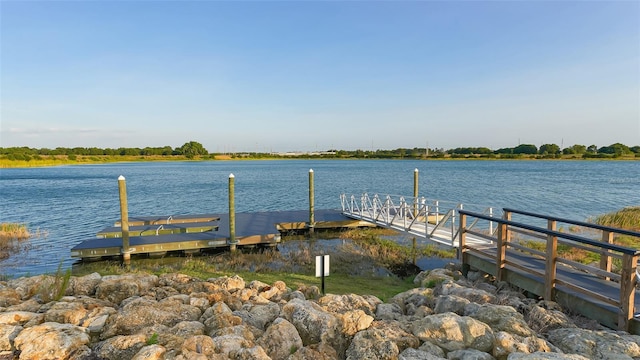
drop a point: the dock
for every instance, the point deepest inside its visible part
(158, 235)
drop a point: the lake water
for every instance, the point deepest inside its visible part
(72, 203)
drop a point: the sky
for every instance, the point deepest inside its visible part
(316, 75)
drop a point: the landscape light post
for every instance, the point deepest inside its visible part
(232, 214)
(124, 220)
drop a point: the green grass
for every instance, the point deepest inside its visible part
(627, 218)
(13, 231)
(356, 265)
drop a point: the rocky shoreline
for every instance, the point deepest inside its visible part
(175, 316)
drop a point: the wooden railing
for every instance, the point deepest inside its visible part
(626, 278)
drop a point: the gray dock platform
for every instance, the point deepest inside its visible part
(192, 234)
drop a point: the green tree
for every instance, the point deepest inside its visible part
(549, 149)
(525, 149)
(193, 149)
(616, 149)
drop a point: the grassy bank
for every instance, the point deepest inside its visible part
(366, 263)
(11, 237)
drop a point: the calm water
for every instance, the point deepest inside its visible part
(72, 203)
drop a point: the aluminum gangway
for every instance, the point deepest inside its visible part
(430, 220)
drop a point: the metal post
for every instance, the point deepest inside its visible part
(322, 274)
(415, 193)
(312, 220)
(124, 220)
(232, 214)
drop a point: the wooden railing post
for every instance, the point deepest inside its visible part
(462, 238)
(501, 251)
(627, 290)
(605, 259)
(551, 262)
(462, 244)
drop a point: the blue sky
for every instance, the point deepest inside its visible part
(305, 76)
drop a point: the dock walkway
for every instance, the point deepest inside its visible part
(156, 235)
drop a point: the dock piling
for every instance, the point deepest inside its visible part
(232, 214)
(312, 220)
(124, 220)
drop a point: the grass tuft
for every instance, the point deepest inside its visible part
(627, 218)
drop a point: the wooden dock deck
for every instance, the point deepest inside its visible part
(158, 235)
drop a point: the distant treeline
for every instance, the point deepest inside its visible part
(193, 149)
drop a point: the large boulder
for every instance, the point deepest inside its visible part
(9, 297)
(230, 284)
(453, 332)
(544, 319)
(501, 318)
(120, 347)
(416, 354)
(259, 316)
(84, 285)
(382, 340)
(219, 316)
(545, 356)
(450, 303)
(469, 354)
(431, 278)
(8, 334)
(22, 318)
(140, 313)
(150, 352)
(339, 304)
(313, 323)
(115, 288)
(506, 344)
(595, 345)
(280, 340)
(474, 295)
(52, 341)
(82, 312)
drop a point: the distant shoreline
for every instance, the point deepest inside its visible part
(62, 160)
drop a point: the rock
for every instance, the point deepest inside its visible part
(473, 295)
(8, 334)
(339, 304)
(81, 312)
(595, 344)
(31, 305)
(453, 332)
(545, 356)
(313, 323)
(141, 313)
(315, 352)
(383, 340)
(502, 318)
(28, 287)
(450, 303)
(544, 320)
(52, 341)
(199, 344)
(432, 349)
(120, 347)
(469, 354)
(219, 316)
(280, 340)
(353, 321)
(415, 354)
(429, 279)
(22, 318)
(260, 316)
(389, 312)
(116, 288)
(412, 300)
(253, 353)
(151, 352)
(228, 344)
(84, 285)
(9, 297)
(230, 284)
(506, 344)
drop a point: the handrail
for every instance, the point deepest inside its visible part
(628, 279)
(583, 240)
(574, 222)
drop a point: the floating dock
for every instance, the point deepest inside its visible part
(157, 235)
